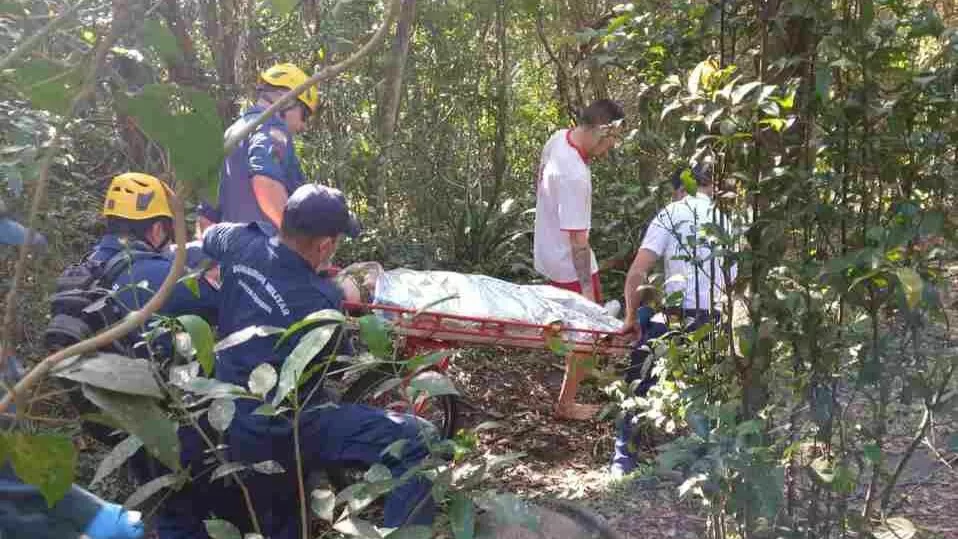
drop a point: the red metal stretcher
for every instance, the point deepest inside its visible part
(432, 331)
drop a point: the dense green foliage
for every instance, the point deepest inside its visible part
(832, 124)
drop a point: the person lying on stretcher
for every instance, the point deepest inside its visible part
(473, 296)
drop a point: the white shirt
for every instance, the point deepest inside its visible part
(676, 234)
(563, 204)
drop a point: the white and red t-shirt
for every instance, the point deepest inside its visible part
(563, 204)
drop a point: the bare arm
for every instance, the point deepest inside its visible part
(642, 264)
(271, 197)
(582, 261)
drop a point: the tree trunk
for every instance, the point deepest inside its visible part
(184, 69)
(391, 97)
(499, 156)
(219, 24)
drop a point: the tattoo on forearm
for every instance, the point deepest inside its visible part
(582, 261)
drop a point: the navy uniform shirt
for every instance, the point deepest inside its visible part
(267, 151)
(264, 283)
(137, 283)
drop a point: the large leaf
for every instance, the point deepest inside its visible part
(46, 461)
(147, 491)
(47, 84)
(221, 529)
(912, 286)
(323, 502)
(308, 348)
(118, 455)
(373, 332)
(201, 336)
(161, 39)
(311, 319)
(185, 122)
(142, 417)
(114, 372)
(433, 384)
(462, 516)
(245, 334)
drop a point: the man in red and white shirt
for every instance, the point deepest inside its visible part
(564, 217)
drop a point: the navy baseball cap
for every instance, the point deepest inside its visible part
(317, 210)
(205, 209)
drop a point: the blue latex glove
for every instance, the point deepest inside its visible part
(115, 522)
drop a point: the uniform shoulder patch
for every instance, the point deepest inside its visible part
(278, 148)
(279, 136)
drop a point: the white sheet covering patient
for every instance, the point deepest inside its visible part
(476, 296)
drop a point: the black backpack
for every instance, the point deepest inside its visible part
(83, 303)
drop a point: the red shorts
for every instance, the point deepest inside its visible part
(577, 288)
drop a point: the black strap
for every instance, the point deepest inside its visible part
(121, 262)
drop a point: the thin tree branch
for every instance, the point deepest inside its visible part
(136, 318)
(33, 40)
(39, 193)
(324, 74)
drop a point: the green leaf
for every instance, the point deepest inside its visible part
(318, 317)
(118, 455)
(46, 461)
(190, 281)
(114, 372)
(433, 384)
(912, 286)
(213, 389)
(953, 441)
(146, 491)
(283, 7)
(239, 337)
(221, 414)
(157, 36)
(358, 528)
(47, 84)
(895, 528)
(323, 502)
(395, 449)
(221, 529)
(309, 347)
(263, 379)
(269, 467)
(373, 332)
(823, 470)
(688, 181)
(142, 417)
(376, 473)
(462, 516)
(228, 468)
(421, 362)
(186, 123)
(201, 335)
(741, 92)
